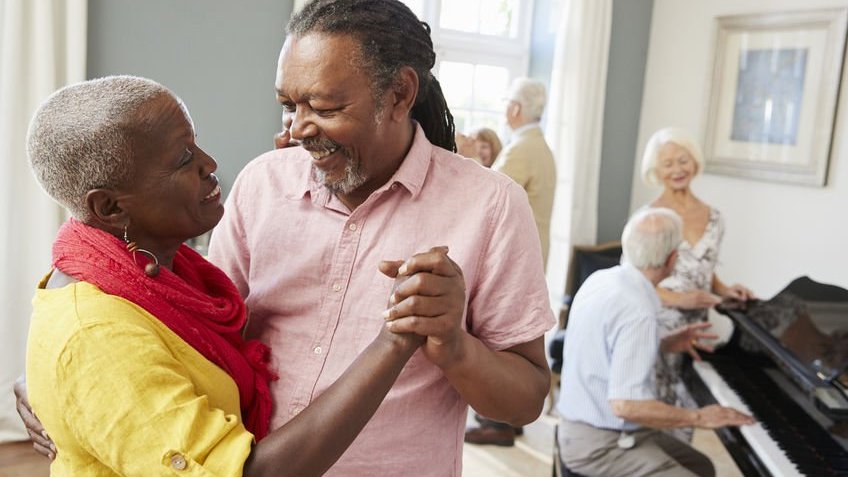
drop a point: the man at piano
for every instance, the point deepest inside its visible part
(612, 422)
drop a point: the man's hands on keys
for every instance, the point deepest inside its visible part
(40, 440)
(715, 416)
(430, 302)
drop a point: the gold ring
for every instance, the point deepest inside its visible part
(694, 342)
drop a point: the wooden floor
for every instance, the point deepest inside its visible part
(18, 459)
(529, 457)
(532, 455)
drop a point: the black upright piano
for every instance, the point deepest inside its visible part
(787, 365)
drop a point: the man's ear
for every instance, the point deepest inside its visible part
(671, 260)
(514, 109)
(104, 208)
(403, 93)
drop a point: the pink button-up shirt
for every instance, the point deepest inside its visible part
(307, 267)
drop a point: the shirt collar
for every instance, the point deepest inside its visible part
(411, 173)
(523, 129)
(413, 170)
(636, 276)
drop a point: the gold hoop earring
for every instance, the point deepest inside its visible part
(151, 269)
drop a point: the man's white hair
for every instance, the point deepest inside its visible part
(678, 136)
(530, 94)
(81, 137)
(650, 237)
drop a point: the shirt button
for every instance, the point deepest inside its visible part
(317, 350)
(394, 187)
(178, 462)
(337, 287)
(297, 410)
(352, 227)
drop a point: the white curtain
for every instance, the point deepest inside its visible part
(42, 47)
(574, 126)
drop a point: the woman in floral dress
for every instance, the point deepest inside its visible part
(672, 159)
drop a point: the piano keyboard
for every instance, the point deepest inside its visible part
(786, 440)
(765, 447)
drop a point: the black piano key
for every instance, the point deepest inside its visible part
(805, 443)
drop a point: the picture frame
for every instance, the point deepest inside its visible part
(773, 93)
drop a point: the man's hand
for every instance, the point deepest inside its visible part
(40, 440)
(715, 416)
(430, 302)
(685, 339)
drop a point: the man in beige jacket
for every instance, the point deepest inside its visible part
(528, 160)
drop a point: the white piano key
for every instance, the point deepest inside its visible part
(760, 441)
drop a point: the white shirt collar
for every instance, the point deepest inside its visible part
(521, 130)
(636, 275)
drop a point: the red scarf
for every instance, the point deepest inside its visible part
(196, 301)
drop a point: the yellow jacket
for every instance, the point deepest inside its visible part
(121, 394)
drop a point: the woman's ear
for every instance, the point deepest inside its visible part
(403, 93)
(104, 208)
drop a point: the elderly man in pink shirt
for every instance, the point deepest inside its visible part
(305, 228)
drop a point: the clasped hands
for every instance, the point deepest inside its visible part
(428, 300)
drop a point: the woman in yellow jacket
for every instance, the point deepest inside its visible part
(136, 364)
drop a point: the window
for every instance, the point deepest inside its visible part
(481, 45)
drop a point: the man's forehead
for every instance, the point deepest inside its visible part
(316, 65)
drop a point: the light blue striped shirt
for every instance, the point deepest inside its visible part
(610, 348)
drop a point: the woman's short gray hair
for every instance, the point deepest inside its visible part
(678, 136)
(650, 236)
(530, 94)
(81, 137)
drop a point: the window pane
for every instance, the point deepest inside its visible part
(490, 84)
(417, 7)
(461, 15)
(489, 17)
(456, 80)
(497, 17)
(486, 120)
(461, 120)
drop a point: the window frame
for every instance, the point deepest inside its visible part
(513, 54)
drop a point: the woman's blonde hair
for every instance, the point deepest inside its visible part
(678, 136)
(489, 136)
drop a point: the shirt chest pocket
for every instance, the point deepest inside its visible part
(369, 326)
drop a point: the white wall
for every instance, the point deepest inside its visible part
(775, 232)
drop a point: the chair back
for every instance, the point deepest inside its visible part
(586, 260)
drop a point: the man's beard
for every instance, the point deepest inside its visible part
(352, 180)
(353, 177)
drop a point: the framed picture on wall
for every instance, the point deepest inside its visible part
(773, 93)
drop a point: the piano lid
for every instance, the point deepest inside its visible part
(804, 329)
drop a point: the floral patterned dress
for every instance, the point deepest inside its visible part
(693, 271)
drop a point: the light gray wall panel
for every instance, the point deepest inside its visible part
(219, 56)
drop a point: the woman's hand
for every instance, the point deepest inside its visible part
(431, 303)
(283, 138)
(737, 292)
(688, 300)
(465, 146)
(40, 440)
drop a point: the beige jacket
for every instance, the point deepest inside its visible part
(529, 161)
